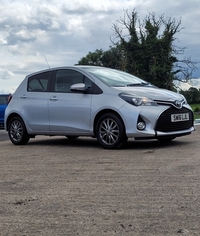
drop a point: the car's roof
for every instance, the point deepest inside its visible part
(66, 67)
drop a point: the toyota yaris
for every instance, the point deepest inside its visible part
(108, 104)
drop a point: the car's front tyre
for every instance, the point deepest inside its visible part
(17, 131)
(110, 131)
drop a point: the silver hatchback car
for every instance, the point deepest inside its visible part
(108, 104)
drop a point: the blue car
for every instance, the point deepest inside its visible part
(4, 99)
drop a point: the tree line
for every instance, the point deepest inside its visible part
(192, 95)
(145, 49)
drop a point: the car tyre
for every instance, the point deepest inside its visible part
(17, 131)
(110, 131)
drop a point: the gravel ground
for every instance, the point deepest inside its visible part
(3, 135)
(56, 187)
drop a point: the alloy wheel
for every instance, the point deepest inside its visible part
(17, 131)
(109, 131)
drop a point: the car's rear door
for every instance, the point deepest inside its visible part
(69, 111)
(34, 102)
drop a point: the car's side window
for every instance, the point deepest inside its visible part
(65, 78)
(3, 100)
(39, 82)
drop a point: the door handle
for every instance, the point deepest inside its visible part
(54, 98)
(23, 97)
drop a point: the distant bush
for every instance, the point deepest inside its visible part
(197, 109)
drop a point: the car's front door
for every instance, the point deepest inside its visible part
(69, 112)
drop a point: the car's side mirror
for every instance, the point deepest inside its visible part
(78, 87)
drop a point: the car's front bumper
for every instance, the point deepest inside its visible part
(157, 120)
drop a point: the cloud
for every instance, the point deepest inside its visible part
(185, 86)
(64, 31)
(5, 74)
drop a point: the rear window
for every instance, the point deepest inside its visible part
(39, 82)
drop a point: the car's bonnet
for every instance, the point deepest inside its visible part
(151, 92)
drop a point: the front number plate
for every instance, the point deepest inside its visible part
(179, 117)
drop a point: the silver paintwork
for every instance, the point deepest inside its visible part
(55, 113)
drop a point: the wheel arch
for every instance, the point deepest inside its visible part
(102, 112)
(10, 117)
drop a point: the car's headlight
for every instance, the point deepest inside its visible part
(137, 101)
(185, 100)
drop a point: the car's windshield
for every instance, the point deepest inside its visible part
(115, 78)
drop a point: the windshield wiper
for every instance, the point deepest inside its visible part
(137, 84)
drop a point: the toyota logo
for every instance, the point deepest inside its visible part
(178, 104)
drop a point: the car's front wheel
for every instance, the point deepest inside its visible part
(110, 131)
(17, 131)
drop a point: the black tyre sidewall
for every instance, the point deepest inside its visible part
(120, 124)
(25, 136)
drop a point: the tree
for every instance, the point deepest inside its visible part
(92, 58)
(192, 95)
(149, 49)
(146, 50)
(112, 58)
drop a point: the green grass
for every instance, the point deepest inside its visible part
(196, 116)
(194, 106)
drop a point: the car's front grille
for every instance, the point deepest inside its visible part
(164, 123)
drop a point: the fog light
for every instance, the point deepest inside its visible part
(141, 125)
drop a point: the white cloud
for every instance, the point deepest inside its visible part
(64, 31)
(185, 86)
(2, 40)
(6, 74)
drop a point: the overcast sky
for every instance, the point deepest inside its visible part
(63, 31)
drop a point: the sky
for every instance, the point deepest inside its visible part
(36, 34)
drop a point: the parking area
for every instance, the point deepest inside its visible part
(3, 135)
(55, 186)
